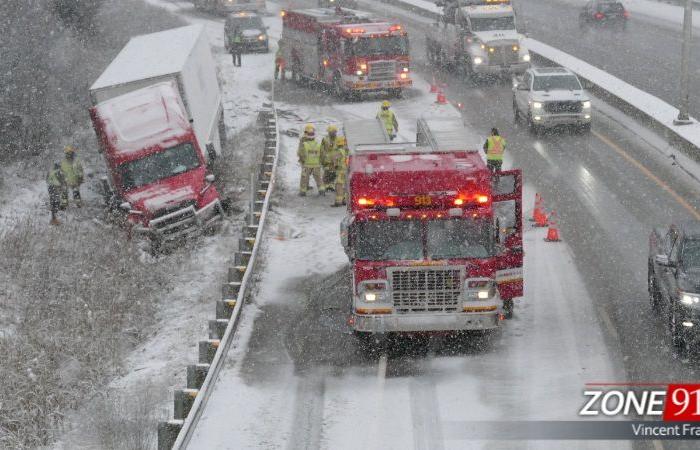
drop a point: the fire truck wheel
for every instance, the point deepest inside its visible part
(508, 307)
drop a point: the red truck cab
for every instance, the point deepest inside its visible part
(158, 175)
(350, 50)
(434, 244)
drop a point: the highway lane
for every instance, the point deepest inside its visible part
(646, 54)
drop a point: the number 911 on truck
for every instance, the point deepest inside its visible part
(349, 50)
(434, 238)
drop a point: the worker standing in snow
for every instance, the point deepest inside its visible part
(309, 153)
(72, 170)
(388, 118)
(340, 162)
(280, 63)
(494, 147)
(328, 150)
(57, 187)
(237, 47)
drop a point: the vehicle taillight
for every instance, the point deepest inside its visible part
(599, 15)
(482, 199)
(459, 202)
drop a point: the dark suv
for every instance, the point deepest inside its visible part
(252, 29)
(603, 13)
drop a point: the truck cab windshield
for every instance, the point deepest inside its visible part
(158, 166)
(459, 238)
(493, 23)
(556, 83)
(389, 45)
(394, 240)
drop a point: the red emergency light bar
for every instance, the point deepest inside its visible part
(421, 201)
(395, 28)
(355, 30)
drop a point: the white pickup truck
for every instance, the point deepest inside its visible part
(478, 38)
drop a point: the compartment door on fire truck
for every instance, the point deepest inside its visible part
(508, 215)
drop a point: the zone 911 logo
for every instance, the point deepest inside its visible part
(671, 402)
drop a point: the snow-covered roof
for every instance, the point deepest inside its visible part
(150, 116)
(150, 55)
(488, 10)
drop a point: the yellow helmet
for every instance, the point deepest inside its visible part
(68, 149)
(340, 140)
(386, 104)
(309, 129)
(332, 129)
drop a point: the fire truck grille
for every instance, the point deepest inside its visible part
(564, 107)
(503, 55)
(426, 290)
(382, 70)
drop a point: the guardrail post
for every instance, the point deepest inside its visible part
(207, 350)
(183, 401)
(224, 308)
(167, 433)
(196, 373)
(217, 328)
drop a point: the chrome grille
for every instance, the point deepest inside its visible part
(503, 55)
(174, 220)
(382, 70)
(563, 107)
(426, 289)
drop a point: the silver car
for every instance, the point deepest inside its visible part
(545, 97)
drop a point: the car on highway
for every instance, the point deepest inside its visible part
(603, 13)
(549, 96)
(674, 279)
(252, 28)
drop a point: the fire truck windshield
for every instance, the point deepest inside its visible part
(387, 45)
(493, 23)
(459, 238)
(404, 240)
(157, 166)
(393, 240)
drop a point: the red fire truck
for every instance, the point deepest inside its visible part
(434, 240)
(350, 50)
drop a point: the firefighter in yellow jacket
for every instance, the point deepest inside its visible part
(72, 170)
(328, 151)
(340, 165)
(388, 119)
(309, 154)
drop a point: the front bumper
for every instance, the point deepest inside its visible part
(487, 69)
(361, 85)
(404, 323)
(183, 223)
(551, 120)
(253, 45)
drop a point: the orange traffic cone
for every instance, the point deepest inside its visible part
(433, 86)
(537, 210)
(539, 216)
(553, 231)
(441, 99)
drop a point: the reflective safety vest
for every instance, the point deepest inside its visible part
(237, 39)
(310, 154)
(328, 151)
(341, 165)
(55, 178)
(72, 172)
(495, 146)
(388, 119)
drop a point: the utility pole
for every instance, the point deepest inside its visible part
(683, 117)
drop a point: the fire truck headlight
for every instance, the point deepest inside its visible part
(405, 70)
(363, 66)
(536, 105)
(483, 295)
(370, 297)
(526, 57)
(359, 73)
(262, 37)
(372, 291)
(587, 104)
(689, 299)
(403, 76)
(480, 289)
(478, 60)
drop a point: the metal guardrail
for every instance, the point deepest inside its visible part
(189, 403)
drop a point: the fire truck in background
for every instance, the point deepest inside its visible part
(478, 37)
(434, 241)
(349, 50)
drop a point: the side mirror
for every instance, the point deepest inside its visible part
(663, 261)
(210, 178)
(126, 206)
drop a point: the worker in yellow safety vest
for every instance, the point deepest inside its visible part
(340, 163)
(328, 150)
(309, 154)
(388, 119)
(57, 186)
(72, 170)
(494, 147)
